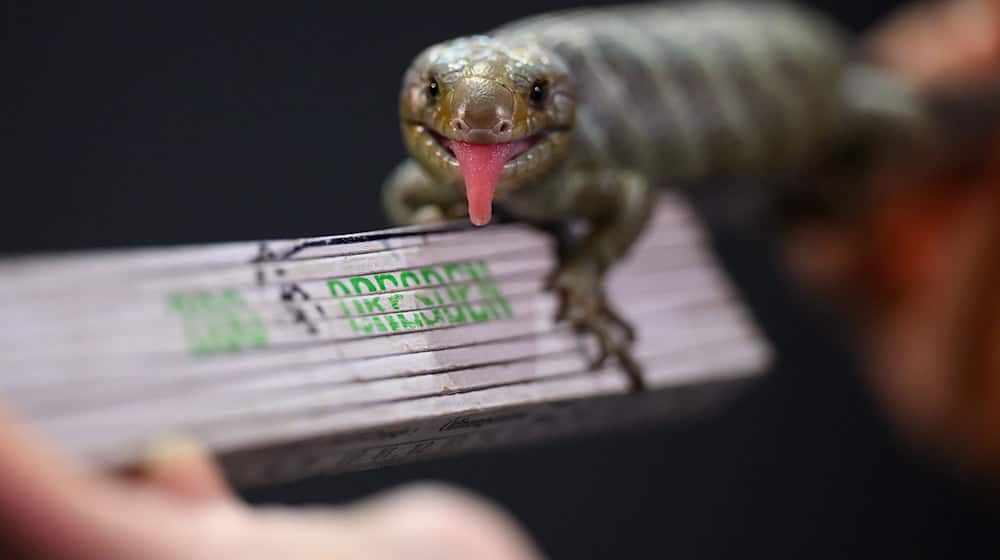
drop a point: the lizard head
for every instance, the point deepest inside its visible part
(492, 117)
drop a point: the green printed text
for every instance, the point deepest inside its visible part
(420, 298)
(216, 322)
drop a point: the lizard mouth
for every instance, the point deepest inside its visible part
(515, 149)
(486, 169)
(526, 154)
(483, 165)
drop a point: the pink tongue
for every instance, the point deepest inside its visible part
(481, 165)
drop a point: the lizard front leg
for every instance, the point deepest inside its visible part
(617, 205)
(411, 197)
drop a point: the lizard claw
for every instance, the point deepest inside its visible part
(583, 304)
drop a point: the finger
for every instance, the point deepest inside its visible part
(911, 42)
(976, 378)
(42, 494)
(51, 507)
(419, 521)
(436, 521)
(937, 338)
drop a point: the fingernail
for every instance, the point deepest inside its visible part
(173, 448)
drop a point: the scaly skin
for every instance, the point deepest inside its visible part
(617, 102)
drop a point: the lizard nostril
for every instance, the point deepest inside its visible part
(458, 125)
(503, 127)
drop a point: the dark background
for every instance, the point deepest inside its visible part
(152, 123)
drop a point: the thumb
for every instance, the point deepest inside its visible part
(421, 521)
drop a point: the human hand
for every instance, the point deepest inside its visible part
(180, 508)
(920, 275)
(941, 44)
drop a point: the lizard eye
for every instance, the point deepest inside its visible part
(537, 91)
(432, 88)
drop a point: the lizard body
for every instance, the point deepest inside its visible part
(583, 114)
